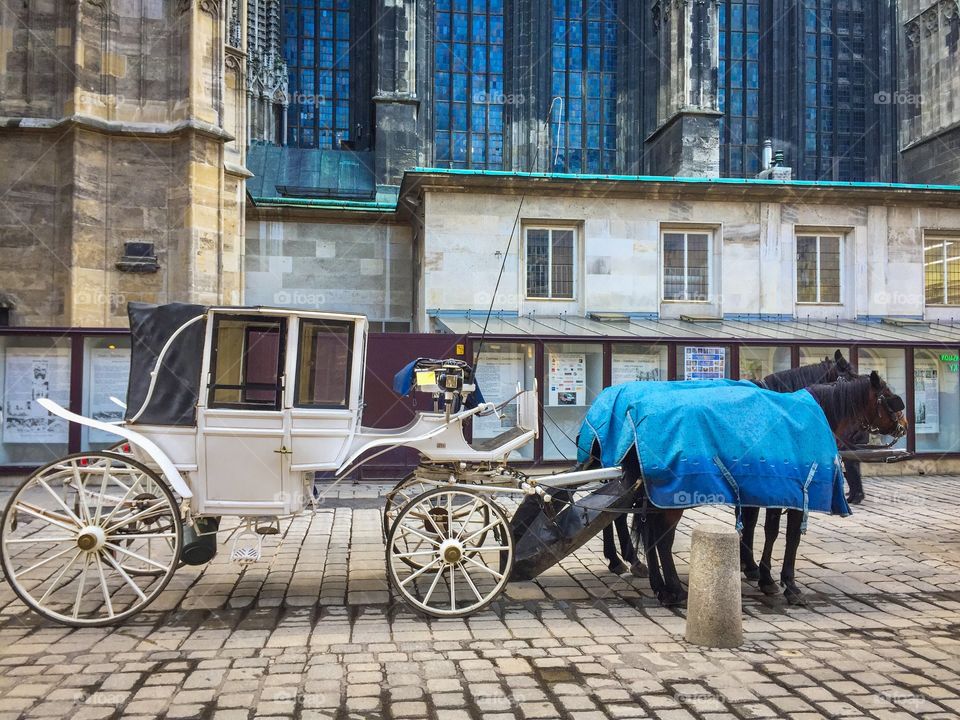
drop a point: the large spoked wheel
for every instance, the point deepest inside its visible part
(91, 539)
(465, 556)
(407, 489)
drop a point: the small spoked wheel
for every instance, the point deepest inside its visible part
(464, 556)
(407, 489)
(91, 539)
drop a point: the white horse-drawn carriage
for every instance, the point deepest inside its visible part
(230, 413)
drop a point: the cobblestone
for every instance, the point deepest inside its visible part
(313, 632)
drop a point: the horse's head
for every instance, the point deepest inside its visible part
(885, 411)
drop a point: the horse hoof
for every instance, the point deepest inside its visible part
(751, 572)
(671, 598)
(618, 568)
(769, 588)
(793, 595)
(638, 569)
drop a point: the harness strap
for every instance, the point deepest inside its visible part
(736, 489)
(806, 498)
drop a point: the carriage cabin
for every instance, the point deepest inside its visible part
(246, 400)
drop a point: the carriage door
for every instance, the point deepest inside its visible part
(245, 442)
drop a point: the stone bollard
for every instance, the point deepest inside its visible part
(714, 617)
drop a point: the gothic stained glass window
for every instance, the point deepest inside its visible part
(834, 81)
(583, 74)
(317, 49)
(738, 87)
(469, 100)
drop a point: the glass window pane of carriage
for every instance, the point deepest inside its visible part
(936, 399)
(703, 362)
(323, 363)
(632, 363)
(574, 377)
(758, 361)
(502, 366)
(106, 370)
(31, 368)
(248, 364)
(891, 364)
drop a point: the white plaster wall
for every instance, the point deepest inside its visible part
(619, 270)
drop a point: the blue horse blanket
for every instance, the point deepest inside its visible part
(721, 442)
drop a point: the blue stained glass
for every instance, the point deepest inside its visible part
(325, 26)
(443, 115)
(736, 102)
(307, 23)
(290, 22)
(593, 85)
(574, 10)
(460, 87)
(496, 118)
(574, 33)
(610, 34)
(753, 131)
(736, 75)
(343, 55)
(461, 5)
(478, 118)
(496, 150)
(479, 6)
(574, 58)
(610, 10)
(593, 58)
(736, 44)
(478, 146)
(478, 88)
(559, 8)
(442, 145)
(753, 45)
(736, 16)
(574, 110)
(442, 53)
(593, 33)
(574, 87)
(559, 32)
(460, 146)
(610, 59)
(721, 100)
(443, 4)
(558, 87)
(753, 17)
(593, 161)
(753, 103)
(753, 75)
(461, 25)
(496, 59)
(557, 58)
(290, 51)
(460, 54)
(593, 136)
(479, 32)
(459, 116)
(443, 27)
(609, 85)
(441, 82)
(479, 64)
(575, 161)
(593, 112)
(496, 84)
(574, 135)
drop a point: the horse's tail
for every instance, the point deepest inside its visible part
(636, 532)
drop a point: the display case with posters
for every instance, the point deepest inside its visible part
(758, 361)
(33, 367)
(891, 365)
(574, 377)
(936, 399)
(501, 367)
(106, 370)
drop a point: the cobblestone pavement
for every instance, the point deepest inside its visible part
(311, 632)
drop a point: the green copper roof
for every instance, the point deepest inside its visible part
(688, 180)
(298, 173)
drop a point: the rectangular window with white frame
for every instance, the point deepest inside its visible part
(941, 269)
(551, 254)
(819, 268)
(687, 262)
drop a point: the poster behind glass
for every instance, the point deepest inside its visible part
(31, 374)
(704, 363)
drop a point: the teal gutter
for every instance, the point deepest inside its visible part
(686, 180)
(358, 205)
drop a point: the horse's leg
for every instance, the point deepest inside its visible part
(637, 568)
(645, 528)
(748, 566)
(771, 528)
(673, 593)
(790, 589)
(610, 551)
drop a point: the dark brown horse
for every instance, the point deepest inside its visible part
(865, 402)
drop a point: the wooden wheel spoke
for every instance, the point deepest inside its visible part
(483, 567)
(132, 554)
(103, 586)
(421, 571)
(61, 521)
(123, 574)
(406, 528)
(470, 582)
(80, 586)
(56, 580)
(45, 561)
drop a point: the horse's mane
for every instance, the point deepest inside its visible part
(798, 378)
(842, 401)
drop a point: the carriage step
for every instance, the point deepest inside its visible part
(247, 547)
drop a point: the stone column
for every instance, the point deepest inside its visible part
(714, 617)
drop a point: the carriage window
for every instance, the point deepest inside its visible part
(247, 363)
(323, 364)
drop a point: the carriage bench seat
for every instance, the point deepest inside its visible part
(507, 437)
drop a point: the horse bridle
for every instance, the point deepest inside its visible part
(894, 406)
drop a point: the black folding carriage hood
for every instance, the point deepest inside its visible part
(174, 400)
